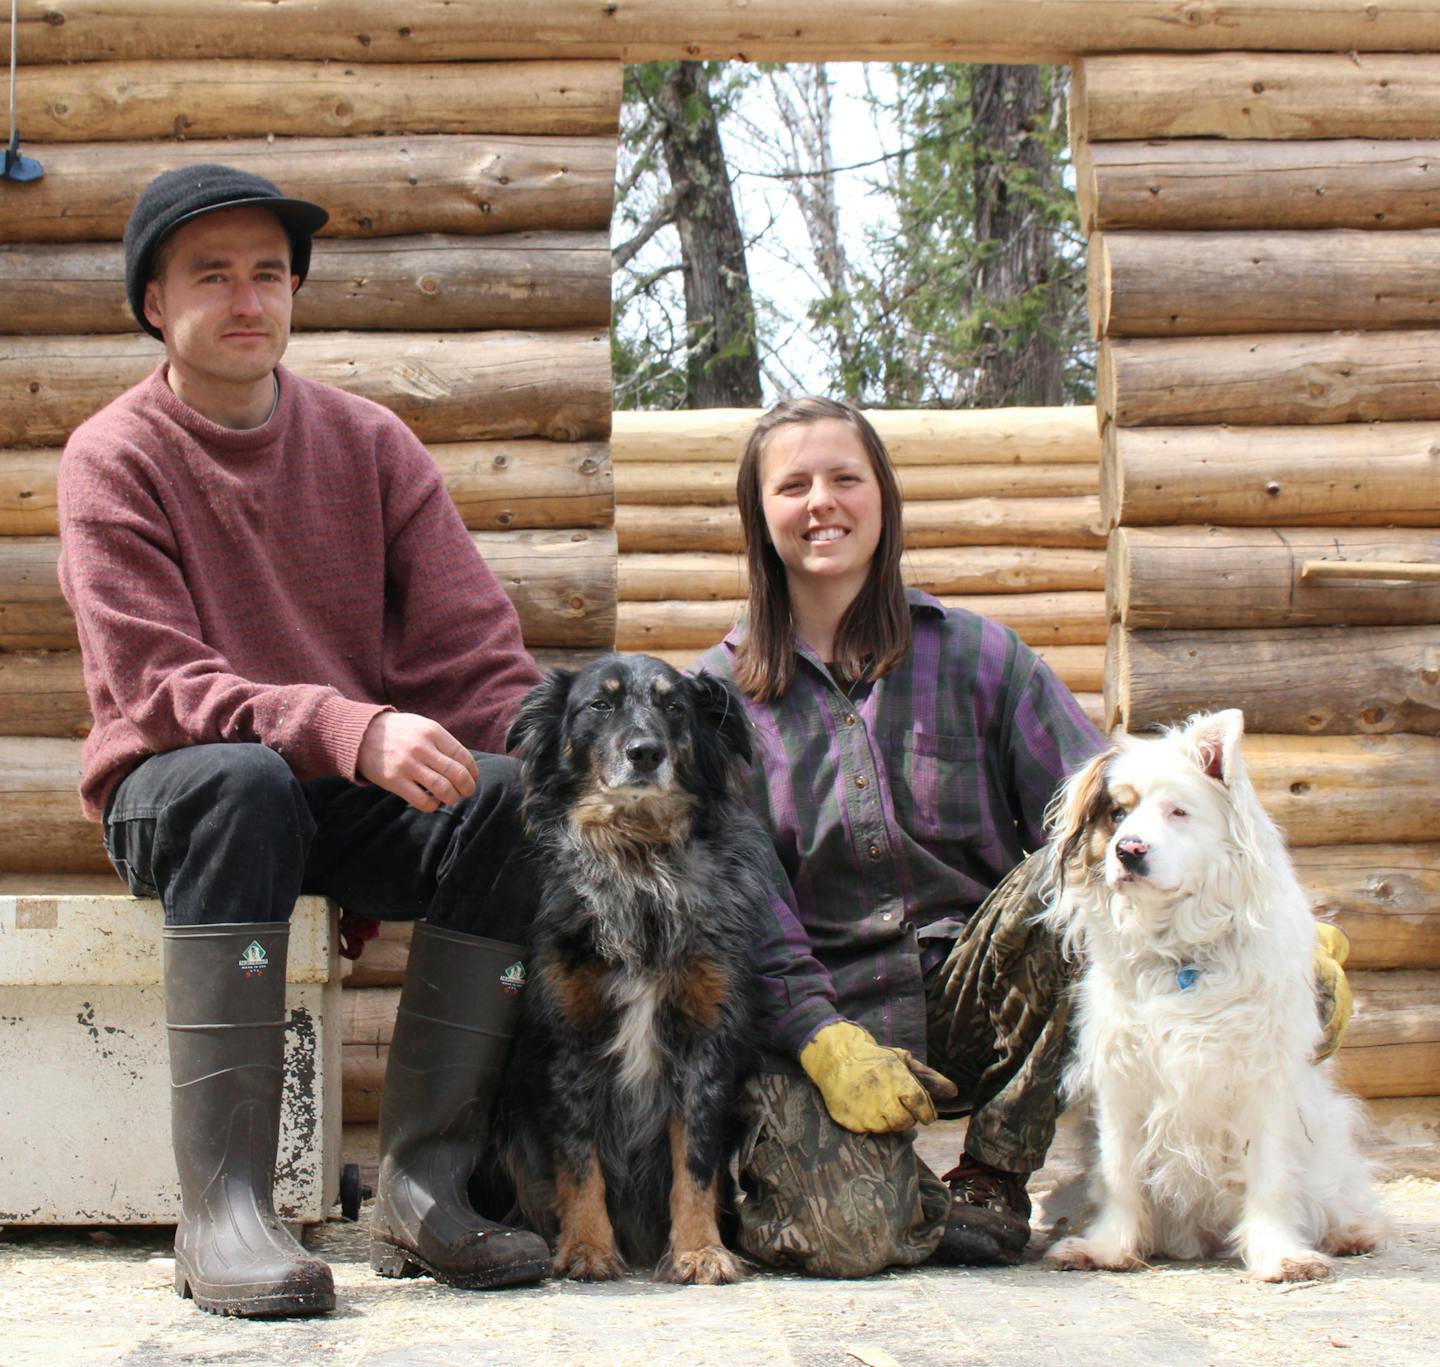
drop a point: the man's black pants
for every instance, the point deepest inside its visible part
(227, 834)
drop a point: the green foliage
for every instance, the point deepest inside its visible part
(933, 305)
(923, 326)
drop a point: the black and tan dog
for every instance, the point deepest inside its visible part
(640, 1007)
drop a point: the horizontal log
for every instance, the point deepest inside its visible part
(1265, 379)
(1404, 1137)
(362, 1079)
(1040, 620)
(1177, 284)
(1071, 522)
(1173, 577)
(1392, 1048)
(42, 693)
(148, 101)
(712, 483)
(1255, 95)
(41, 828)
(510, 485)
(383, 960)
(435, 282)
(60, 885)
(658, 30)
(1205, 184)
(938, 570)
(495, 485)
(931, 436)
(373, 187)
(561, 582)
(1403, 571)
(1362, 680)
(1385, 897)
(1353, 790)
(1338, 475)
(367, 1016)
(445, 386)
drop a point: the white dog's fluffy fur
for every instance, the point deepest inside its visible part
(1196, 1022)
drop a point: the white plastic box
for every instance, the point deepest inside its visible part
(85, 1076)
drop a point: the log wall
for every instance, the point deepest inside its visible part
(1264, 290)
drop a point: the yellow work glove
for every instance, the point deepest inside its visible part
(1333, 991)
(868, 1087)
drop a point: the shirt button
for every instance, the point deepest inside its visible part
(874, 851)
(850, 720)
(888, 916)
(860, 781)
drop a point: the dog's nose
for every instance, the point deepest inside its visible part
(1131, 853)
(645, 755)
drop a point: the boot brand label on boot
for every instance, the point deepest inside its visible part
(513, 978)
(253, 960)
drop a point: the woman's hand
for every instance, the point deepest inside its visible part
(1332, 989)
(868, 1087)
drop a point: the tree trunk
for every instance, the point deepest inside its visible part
(1018, 362)
(723, 365)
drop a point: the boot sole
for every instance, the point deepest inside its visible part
(391, 1260)
(276, 1305)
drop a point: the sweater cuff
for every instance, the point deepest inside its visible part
(337, 728)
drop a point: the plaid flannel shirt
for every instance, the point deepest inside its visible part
(896, 809)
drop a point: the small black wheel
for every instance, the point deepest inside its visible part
(352, 1194)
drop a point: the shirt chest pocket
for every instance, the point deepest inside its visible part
(940, 789)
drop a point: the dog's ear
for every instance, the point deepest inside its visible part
(1079, 804)
(544, 704)
(723, 714)
(1213, 740)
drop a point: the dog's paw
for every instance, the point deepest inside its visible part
(1084, 1255)
(1346, 1241)
(583, 1262)
(708, 1266)
(1299, 1267)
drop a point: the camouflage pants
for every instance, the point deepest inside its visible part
(823, 1200)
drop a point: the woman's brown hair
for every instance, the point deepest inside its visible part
(874, 634)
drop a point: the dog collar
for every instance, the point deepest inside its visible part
(1186, 976)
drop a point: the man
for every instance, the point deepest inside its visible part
(301, 674)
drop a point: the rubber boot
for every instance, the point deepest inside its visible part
(452, 1034)
(225, 1018)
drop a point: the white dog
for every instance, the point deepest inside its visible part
(1196, 1020)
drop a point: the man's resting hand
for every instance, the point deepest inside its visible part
(868, 1087)
(417, 759)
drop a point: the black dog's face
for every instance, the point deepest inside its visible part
(628, 734)
(630, 725)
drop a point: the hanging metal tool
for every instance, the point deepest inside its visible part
(17, 167)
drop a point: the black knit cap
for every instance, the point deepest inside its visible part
(178, 196)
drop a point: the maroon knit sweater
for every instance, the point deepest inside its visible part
(279, 585)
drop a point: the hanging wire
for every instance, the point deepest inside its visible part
(17, 168)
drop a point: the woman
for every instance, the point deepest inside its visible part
(908, 752)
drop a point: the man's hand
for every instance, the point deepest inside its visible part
(867, 1087)
(417, 759)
